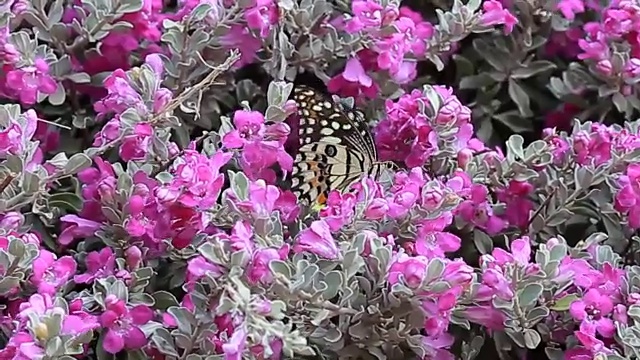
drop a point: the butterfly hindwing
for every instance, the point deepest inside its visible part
(335, 147)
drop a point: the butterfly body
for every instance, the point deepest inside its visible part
(335, 147)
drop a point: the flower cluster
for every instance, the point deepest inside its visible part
(145, 154)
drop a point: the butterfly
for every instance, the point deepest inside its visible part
(335, 150)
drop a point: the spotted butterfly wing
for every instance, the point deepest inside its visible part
(335, 147)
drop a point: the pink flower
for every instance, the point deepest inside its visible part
(15, 137)
(77, 228)
(249, 127)
(240, 37)
(22, 346)
(317, 239)
(262, 16)
(49, 273)
(198, 267)
(122, 325)
(99, 265)
(411, 269)
(569, 8)
(136, 146)
(438, 312)
(627, 200)
(495, 14)
(433, 242)
(197, 178)
(486, 316)
(405, 192)
(26, 82)
(594, 308)
(353, 81)
(121, 95)
(259, 271)
(234, 348)
(478, 211)
(367, 15)
(339, 210)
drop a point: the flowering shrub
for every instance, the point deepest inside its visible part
(145, 212)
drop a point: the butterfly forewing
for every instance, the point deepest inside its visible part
(335, 147)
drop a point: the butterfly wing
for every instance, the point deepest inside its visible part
(335, 147)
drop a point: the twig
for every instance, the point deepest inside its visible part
(202, 85)
(540, 208)
(54, 124)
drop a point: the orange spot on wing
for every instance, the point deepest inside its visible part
(322, 199)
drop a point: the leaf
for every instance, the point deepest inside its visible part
(476, 81)
(31, 183)
(530, 294)
(531, 339)
(434, 270)
(67, 201)
(482, 241)
(129, 6)
(76, 163)
(8, 283)
(163, 341)
(184, 318)
(58, 97)
(514, 147)
(240, 185)
(564, 303)
(164, 300)
(533, 68)
(520, 97)
(514, 121)
(335, 282)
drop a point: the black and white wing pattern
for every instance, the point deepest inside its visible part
(335, 147)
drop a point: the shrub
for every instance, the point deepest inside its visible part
(148, 208)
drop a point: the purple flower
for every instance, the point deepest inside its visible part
(593, 308)
(433, 242)
(122, 325)
(77, 228)
(99, 265)
(317, 239)
(478, 211)
(49, 273)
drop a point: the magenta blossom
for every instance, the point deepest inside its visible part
(122, 325)
(433, 241)
(99, 265)
(26, 82)
(50, 273)
(594, 308)
(479, 212)
(317, 239)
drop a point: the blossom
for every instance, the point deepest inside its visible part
(122, 325)
(353, 81)
(412, 269)
(137, 145)
(433, 242)
(262, 16)
(339, 210)
(249, 127)
(478, 211)
(594, 308)
(99, 265)
(27, 81)
(121, 95)
(495, 14)
(77, 227)
(50, 273)
(627, 200)
(317, 239)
